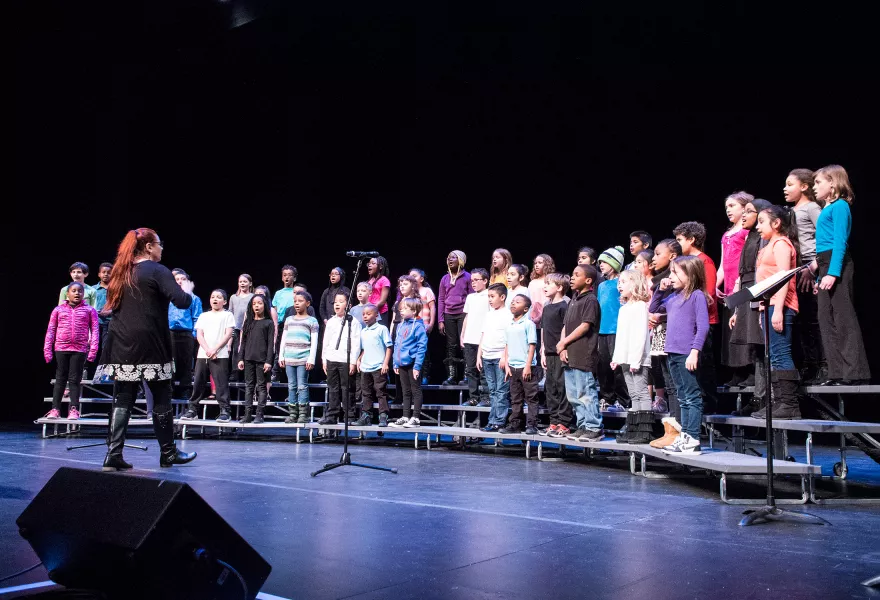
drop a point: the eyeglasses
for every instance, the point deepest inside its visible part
(750, 212)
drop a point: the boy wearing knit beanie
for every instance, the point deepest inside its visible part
(612, 386)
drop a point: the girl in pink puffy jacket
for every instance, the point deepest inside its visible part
(72, 332)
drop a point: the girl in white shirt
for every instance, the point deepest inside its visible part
(632, 351)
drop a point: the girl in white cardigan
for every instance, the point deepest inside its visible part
(632, 351)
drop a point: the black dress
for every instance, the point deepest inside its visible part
(139, 341)
(747, 333)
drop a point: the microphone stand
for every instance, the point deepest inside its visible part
(770, 512)
(345, 459)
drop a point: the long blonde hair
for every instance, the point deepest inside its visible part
(641, 292)
(839, 181)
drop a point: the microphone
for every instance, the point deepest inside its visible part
(360, 253)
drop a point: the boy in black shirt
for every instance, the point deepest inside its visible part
(553, 319)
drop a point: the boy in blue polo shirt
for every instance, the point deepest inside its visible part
(519, 356)
(373, 365)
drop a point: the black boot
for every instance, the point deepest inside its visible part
(785, 400)
(246, 417)
(116, 439)
(641, 429)
(450, 369)
(163, 425)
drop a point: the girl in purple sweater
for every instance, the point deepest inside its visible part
(454, 288)
(72, 332)
(687, 320)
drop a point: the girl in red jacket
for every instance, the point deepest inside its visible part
(72, 332)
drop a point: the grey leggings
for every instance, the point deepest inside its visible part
(637, 386)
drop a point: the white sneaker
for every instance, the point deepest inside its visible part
(684, 444)
(401, 422)
(413, 422)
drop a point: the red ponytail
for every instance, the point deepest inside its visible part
(122, 275)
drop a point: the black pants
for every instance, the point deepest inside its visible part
(841, 334)
(234, 358)
(338, 386)
(611, 384)
(182, 348)
(219, 370)
(523, 391)
(254, 380)
(808, 350)
(657, 379)
(671, 392)
(706, 376)
(411, 392)
(477, 386)
(126, 392)
(538, 370)
(374, 386)
(68, 370)
(554, 390)
(452, 326)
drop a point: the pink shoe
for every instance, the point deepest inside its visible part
(73, 413)
(67, 392)
(53, 414)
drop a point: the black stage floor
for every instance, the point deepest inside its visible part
(477, 525)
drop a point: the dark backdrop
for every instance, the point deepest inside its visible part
(309, 131)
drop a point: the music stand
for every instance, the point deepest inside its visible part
(345, 459)
(764, 292)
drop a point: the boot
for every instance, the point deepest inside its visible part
(258, 418)
(671, 429)
(116, 439)
(785, 400)
(303, 414)
(460, 368)
(642, 429)
(626, 431)
(169, 455)
(450, 369)
(293, 413)
(246, 417)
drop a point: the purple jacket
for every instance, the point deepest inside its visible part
(72, 330)
(451, 296)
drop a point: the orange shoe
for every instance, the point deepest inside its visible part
(671, 431)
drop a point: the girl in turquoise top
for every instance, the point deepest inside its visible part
(833, 268)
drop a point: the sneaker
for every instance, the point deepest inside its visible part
(616, 407)
(561, 431)
(485, 403)
(366, 419)
(491, 428)
(224, 417)
(53, 414)
(383, 419)
(548, 431)
(149, 416)
(471, 402)
(591, 436)
(510, 430)
(603, 405)
(401, 422)
(327, 420)
(67, 392)
(684, 444)
(531, 430)
(73, 413)
(576, 433)
(189, 415)
(289, 419)
(412, 422)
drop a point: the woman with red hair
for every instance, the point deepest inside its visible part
(139, 342)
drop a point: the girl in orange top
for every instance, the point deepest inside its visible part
(777, 227)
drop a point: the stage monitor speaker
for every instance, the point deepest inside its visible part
(138, 537)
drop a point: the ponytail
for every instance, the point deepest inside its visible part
(787, 225)
(122, 276)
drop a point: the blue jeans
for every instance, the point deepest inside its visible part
(780, 343)
(499, 392)
(690, 398)
(297, 384)
(582, 391)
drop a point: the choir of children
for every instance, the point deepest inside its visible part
(634, 337)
